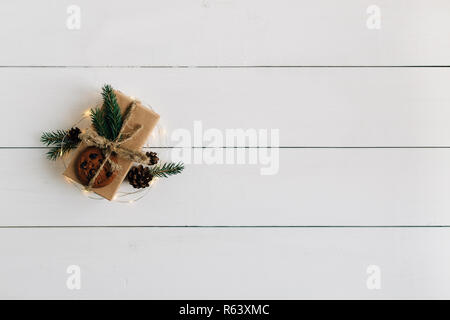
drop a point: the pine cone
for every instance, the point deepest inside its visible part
(139, 177)
(153, 156)
(73, 134)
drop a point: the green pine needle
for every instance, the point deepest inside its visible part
(167, 169)
(53, 137)
(58, 151)
(112, 112)
(59, 142)
(99, 122)
(108, 120)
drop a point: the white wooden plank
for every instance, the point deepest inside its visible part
(225, 263)
(225, 32)
(312, 187)
(310, 107)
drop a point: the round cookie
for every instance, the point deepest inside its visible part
(89, 162)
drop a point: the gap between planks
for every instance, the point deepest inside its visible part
(235, 227)
(217, 67)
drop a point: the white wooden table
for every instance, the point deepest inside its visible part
(360, 93)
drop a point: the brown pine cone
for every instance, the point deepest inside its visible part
(73, 134)
(139, 177)
(153, 156)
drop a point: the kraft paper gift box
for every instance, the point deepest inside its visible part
(140, 115)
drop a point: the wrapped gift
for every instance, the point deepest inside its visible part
(101, 161)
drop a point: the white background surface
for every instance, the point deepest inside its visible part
(364, 159)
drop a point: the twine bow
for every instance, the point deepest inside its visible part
(91, 138)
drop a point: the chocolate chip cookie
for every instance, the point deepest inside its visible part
(89, 162)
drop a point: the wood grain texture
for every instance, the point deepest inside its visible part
(224, 264)
(310, 107)
(225, 32)
(312, 187)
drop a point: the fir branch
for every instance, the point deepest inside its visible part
(112, 112)
(167, 169)
(53, 137)
(60, 143)
(60, 150)
(99, 123)
(54, 153)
